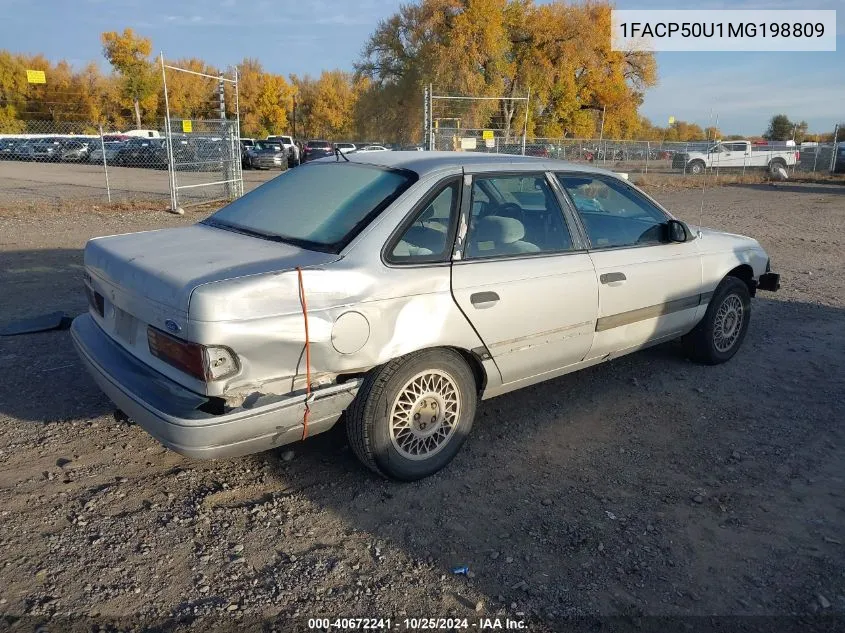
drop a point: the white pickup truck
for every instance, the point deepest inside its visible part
(735, 155)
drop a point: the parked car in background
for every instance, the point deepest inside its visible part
(537, 150)
(143, 152)
(45, 150)
(112, 148)
(372, 148)
(74, 151)
(204, 154)
(345, 147)
(290, 147)
(267, 155)
(143, 133)
(420, 305)
(735, 155)
(7, 148)
(317, 149)
(22, 149)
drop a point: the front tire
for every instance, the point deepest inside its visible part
(411, 415)
(720, 333)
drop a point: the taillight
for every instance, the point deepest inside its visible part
(797, 155)
(201, 362)
(96, 300)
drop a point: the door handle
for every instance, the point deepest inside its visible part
(483, 300)
(609, 278)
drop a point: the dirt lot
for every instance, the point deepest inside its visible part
(648, 486)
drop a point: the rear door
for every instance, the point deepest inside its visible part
(649, 288)
(522, 277)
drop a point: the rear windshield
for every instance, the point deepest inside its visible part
(268, 146)
(319, 144)
(316, 206)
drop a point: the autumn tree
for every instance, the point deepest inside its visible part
(780, 128)
(328, 104)
(129, 56)
(560, 53)
(265, 100)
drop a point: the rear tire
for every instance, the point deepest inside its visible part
(719, 335)
(697, 167)
(411, 415)
(775, 164)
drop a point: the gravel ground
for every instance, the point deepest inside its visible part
(649, 486)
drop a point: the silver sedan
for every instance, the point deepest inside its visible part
(398, 289)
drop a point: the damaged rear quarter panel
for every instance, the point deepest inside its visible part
(260, 317)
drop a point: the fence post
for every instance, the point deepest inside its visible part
(647, 153)
(105, 167)
(171, 168)
(833, 152)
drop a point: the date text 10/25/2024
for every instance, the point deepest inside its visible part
(416, 624)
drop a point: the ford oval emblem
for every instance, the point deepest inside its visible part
(171, 325)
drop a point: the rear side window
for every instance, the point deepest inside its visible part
(430, 235)
(515, 215)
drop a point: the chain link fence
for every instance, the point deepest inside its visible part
(665, 157)
(54, 162)
(206, 158)
(61, 161)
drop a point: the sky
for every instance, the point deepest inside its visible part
(306, 36)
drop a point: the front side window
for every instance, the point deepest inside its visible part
(513, 215)
(429, 237)
(318, 206)
(614, 215)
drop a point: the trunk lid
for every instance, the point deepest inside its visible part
(165, 266)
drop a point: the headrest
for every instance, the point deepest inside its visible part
(425, 237)
(499, 230)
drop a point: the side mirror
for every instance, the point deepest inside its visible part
(677, 231)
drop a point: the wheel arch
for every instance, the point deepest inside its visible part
(470, 357)
(744, 273)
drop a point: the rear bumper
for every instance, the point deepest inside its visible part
(170, 413)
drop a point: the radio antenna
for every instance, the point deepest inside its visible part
(704, 175)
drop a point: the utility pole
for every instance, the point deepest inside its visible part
(294, 118)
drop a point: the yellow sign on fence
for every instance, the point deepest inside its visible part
(36, 76)
(671, 120)
(487, 135)
(187, 126)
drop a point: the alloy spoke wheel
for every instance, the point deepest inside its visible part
(425, 414)
(728, 323)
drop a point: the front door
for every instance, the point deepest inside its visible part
(649, 288)
(521, 280)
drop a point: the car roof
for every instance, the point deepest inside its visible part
(424, 163)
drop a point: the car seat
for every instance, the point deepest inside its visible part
(497, 235)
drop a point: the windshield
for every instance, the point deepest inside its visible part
(319, 144)
(318, 206)
(267, 146)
